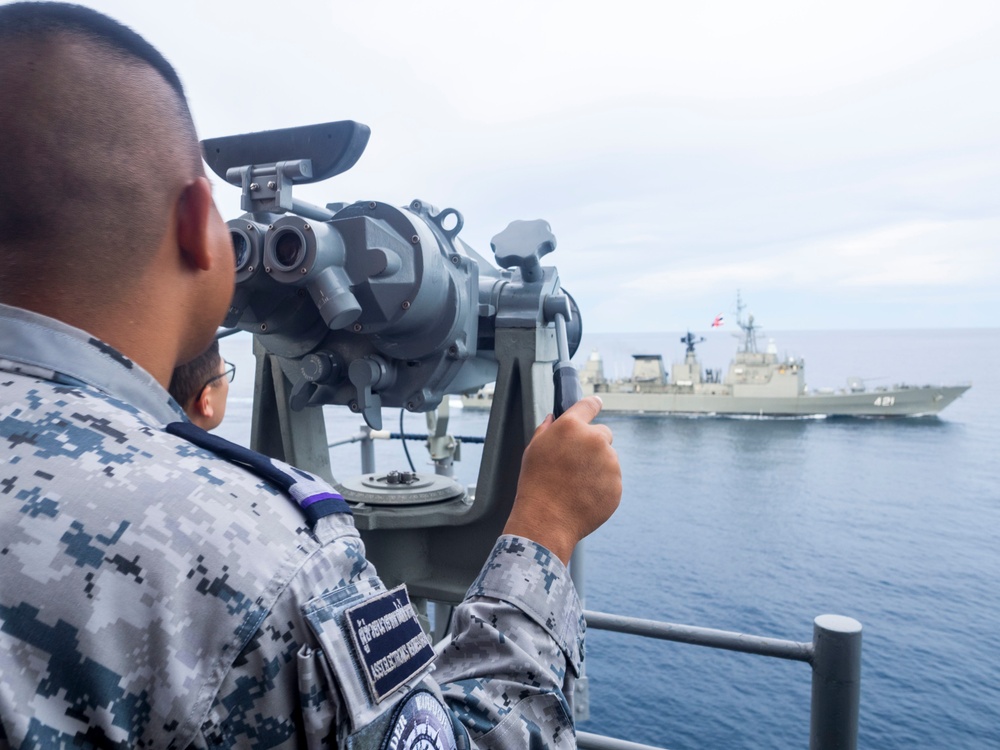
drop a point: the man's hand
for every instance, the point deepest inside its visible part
(570, 480)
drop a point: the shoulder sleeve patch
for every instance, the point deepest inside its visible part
(391, 646)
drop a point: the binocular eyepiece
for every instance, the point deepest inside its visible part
(396, 309)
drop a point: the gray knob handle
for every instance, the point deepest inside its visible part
(522, 244)
(365, 374)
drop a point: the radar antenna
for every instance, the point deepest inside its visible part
(690, 341)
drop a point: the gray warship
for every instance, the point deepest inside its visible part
(757, 383)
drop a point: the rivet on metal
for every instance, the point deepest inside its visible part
(267, 269)
(414, 239)
(303, 270)
(271, 184)
(406, 304)
(371, 205)
(306, 228)
(356, 328)
(254, 186)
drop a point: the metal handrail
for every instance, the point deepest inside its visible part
(834, 654)
(588, 741)
(722, 639)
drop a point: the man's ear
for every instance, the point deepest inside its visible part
(204, 405)
(194, 212)
(202, 410)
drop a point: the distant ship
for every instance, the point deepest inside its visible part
(756, 384)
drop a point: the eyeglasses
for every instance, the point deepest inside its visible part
(229, 373)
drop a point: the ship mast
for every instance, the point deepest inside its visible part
(747, 326)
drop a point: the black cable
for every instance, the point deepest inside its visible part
(403, 438)
(419, 436)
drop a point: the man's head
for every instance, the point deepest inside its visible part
(201, 387)
(103, 177)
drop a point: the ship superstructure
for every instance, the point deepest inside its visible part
(757, 383)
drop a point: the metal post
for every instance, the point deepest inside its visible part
(367, 451)
(836, 683)
(296, 437)
(443, 448)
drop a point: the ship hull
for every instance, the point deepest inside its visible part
(901, 402)
(896, 402)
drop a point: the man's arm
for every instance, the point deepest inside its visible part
(516, 644)
(570, 480)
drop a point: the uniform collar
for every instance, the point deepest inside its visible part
(50, 349)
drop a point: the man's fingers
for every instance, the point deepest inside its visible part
(586, 408)
(584, 411)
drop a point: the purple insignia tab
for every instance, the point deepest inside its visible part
(307, 501)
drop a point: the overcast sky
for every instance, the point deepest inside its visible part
(838, 162)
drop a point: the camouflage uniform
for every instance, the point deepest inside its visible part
(155, 594)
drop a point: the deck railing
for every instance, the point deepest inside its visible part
(834, 654)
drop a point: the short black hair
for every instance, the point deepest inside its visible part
(32, 19)
(188, 380)
(96, 128)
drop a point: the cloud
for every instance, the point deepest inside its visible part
(520, 59)
(913, 254)
(816, 152)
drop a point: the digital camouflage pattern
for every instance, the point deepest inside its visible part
(154, 595)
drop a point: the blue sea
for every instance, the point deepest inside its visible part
(760, 525)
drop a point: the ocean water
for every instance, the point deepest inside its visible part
(760, 525)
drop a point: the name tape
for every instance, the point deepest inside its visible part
(390, 644)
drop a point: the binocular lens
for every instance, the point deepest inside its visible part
(289, 249)
(241, 248)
